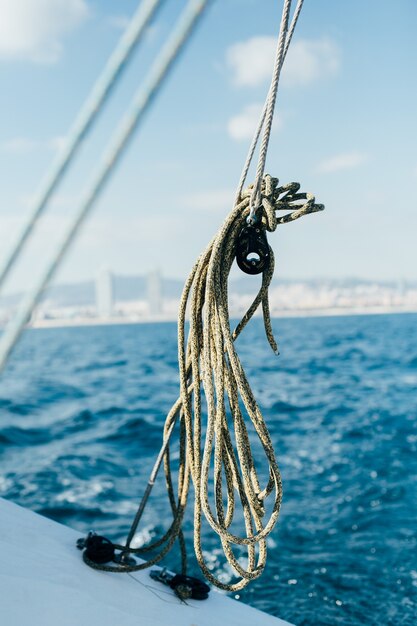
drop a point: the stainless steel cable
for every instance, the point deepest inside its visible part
(284, 40)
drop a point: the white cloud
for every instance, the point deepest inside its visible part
(17, 145)
(244, 124)
(25, 145)
(33, 29)
(308, 60)
(346, 161)
(251, 61)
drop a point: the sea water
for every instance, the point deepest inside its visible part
(81, 413)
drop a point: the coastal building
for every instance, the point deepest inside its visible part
(154, 292)
(104, 293)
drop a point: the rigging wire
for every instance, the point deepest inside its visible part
(143, 98)
(274, 85)
(84, 122)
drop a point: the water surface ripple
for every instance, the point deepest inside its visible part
(81, 411)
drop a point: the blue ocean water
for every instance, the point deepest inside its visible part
(81, 412)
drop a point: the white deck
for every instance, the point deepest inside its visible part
(44, 582)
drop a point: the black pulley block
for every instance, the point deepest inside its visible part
(252, 250)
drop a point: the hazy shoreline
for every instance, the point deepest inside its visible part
(113, 321)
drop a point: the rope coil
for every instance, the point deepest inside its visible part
(214, 385)
(210, 367)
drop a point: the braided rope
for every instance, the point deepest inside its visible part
(211, 374)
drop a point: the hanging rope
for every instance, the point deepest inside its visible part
(210, 368)
(210, 358)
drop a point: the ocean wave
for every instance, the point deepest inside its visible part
(82, 423)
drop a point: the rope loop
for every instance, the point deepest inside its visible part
(286, 198)
(225, 449)
(222, 420)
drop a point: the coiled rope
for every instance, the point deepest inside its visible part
(210, 368)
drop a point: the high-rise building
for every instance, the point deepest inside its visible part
(104, 293)
(154, 292)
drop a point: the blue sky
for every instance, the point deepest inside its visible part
(346, 130)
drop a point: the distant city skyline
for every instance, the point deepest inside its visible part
(104, 293)
(346, 115)
(129, 299)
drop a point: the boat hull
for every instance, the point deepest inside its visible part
(44, 582)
